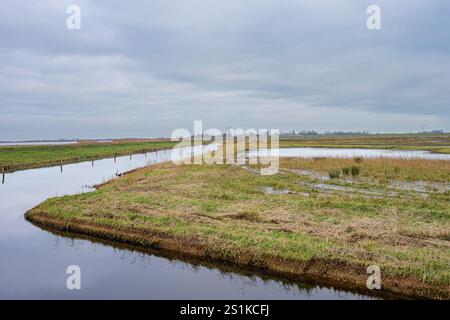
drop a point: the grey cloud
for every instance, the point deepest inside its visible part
(140, 68)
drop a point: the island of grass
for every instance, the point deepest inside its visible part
(320, 221)
(13, 158)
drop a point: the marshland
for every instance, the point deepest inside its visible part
(319, 221)
(27, 156)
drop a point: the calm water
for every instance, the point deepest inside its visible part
(36, 143)
(351, 153)
(33, 262)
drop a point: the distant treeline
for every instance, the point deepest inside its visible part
(343, 133)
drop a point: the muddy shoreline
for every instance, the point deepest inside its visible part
(327, 273)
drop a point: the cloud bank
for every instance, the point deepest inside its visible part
(145, 68)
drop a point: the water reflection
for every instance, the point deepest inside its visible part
(37, 143)
(36, 260)
(242, 284)
(350, 153)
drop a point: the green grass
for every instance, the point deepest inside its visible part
(437, 143)
(225, 210)
(25, 157)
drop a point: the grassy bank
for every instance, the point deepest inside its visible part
(25, 157)
(14, 158)
(299, 224)
(437, 143)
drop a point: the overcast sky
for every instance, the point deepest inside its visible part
(145, 68)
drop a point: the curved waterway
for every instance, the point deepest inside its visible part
(33, 262)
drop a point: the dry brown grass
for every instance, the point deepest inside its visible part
(378, 168)
(223, 210)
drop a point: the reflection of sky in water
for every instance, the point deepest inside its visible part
(350, 153)
(36, 143)
(34, 262)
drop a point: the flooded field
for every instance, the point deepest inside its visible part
(351, 153)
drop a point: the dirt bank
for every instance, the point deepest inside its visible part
(329, 273)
